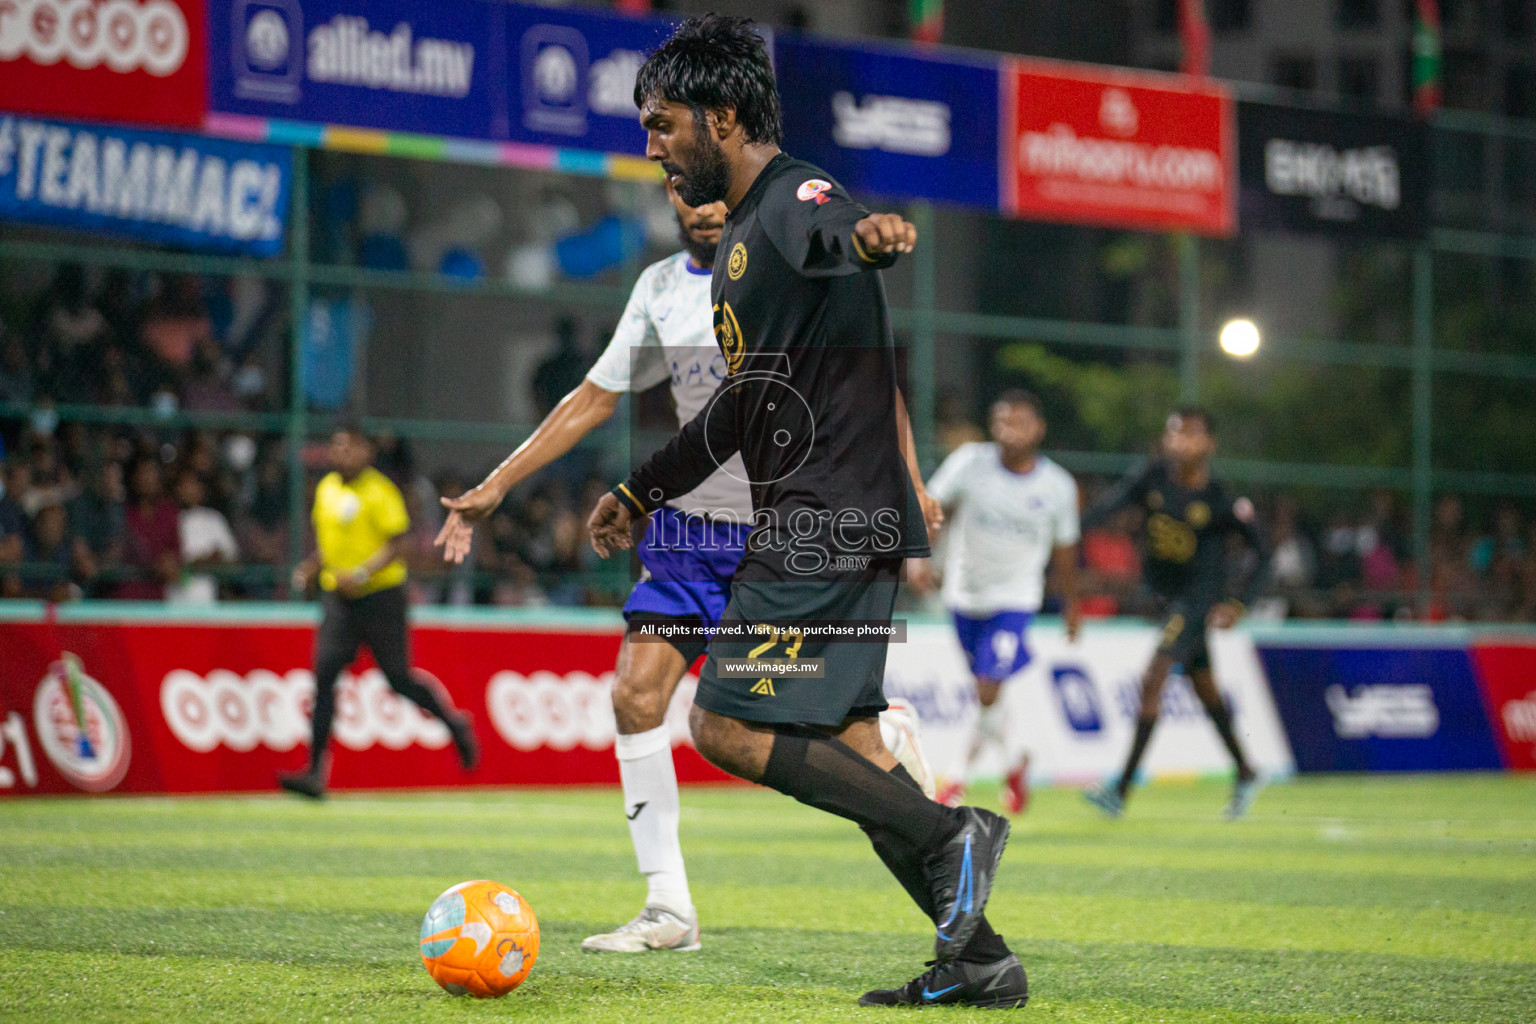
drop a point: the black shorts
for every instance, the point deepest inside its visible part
(852, 683)
(376, 621)
(1183, 628)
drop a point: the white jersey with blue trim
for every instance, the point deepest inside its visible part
(667, 333)
(1003, 528)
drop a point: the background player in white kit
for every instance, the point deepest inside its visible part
(689, 555)
(1012, 515)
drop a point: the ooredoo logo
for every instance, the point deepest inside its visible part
(262, 708)
(562, 711)
(80, 727)
(124, 35)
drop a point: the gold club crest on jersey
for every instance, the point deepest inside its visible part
(737, 265)
(728, 331)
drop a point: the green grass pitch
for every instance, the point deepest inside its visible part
(1351, 899)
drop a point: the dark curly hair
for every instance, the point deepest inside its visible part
(714, 61)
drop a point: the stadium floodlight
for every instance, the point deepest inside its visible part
(1240, 338)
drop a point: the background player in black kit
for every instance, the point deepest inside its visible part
(809, 402)
(1189, 517)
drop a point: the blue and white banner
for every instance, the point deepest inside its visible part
(1073, 708)
(893, 123)
(403, 65)
(572, 77)
(1356, 707)
(154, 186)
(883, 121)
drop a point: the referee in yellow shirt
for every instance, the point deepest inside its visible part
(360, 524)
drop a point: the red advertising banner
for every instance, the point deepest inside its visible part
(133, 61)
(220, 707)
(1122, 149)
(1507, 674)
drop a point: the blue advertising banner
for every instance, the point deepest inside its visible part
(893, 123)
(1381, 709)
(403, 65)
(155, 186)
(572, 77)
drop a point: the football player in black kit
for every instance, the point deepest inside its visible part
(1188, 519)
(809, 401)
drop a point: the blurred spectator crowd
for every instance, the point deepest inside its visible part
(157, 512)
(91, 511)
(194, 516)
(169, 342)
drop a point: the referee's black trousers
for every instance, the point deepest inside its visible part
(375, 621)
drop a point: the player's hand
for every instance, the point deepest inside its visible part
(464, 512)
(350, 584)
(1224, 615)
(933, 514)
(883, 233)
(609, 526)
(455, 537)
(303, 575)
(921, 577)
(475, 504)
(1072, 614)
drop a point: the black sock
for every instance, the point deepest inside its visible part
(829, 775)
(1138, 748)
(906, 863)
(320, 725)
(1221, 718)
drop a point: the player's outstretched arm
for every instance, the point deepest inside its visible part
(822, 232)
(578, 413)
(686, 461)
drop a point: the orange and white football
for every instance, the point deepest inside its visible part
(479, 938)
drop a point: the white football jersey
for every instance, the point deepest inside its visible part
(1003, 528)
(668, 332)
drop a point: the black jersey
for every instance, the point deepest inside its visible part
(809, 396)
(1185, 533)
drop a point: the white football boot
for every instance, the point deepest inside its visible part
(903, 736)
(652, 928)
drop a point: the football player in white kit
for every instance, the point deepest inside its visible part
(1012, 515)
(689, 554)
